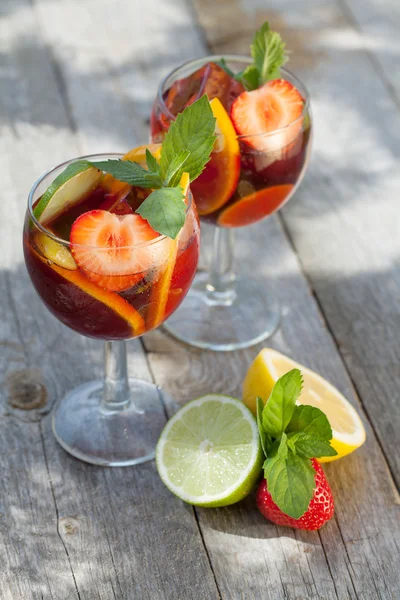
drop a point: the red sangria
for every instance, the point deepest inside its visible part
(111, 247)
(100, 268)
(263, 127)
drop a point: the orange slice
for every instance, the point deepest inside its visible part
(217, 183)
(120, 306)
(160, 290)
(254, 207)
(119, 188)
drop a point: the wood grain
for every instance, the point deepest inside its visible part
(344, 222)
(65, 532)
(70, 530)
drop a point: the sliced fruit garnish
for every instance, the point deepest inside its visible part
(120, 306)
(54, 251)
(254, 207)
(139, 154)
(217, 183)
(112, 250)
(120, 189)
(211, 80)
(209, 453)
(277, 105)
(160, 290)
(270, 365)
(68, 189)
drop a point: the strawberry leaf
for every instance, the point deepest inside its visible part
(311, 420)
(279, 409)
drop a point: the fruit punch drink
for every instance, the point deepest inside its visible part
(111, 246)
(263, 138)
(99, 267)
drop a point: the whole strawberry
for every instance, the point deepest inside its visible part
(294, 491)
(319, 511)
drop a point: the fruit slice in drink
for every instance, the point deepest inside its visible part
(209, 453)
(275, 109)
(112, 250)
(71, 187)
(211, 80)
(118, 191)
(111, 300)
(161, 289)
(56, 253)
(254, 207)
(217, 183)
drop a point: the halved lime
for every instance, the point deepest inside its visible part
(209, 453)
(69, 188)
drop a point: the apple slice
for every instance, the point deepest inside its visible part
(68, 188)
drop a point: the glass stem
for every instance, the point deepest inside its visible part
(116, 392)
(221, 278)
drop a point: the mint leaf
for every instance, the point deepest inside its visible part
(174, 170)
(279, 409)
(309, 446)
(269, 55)
(151, 162)
(249, 77)
(164, 210)
(311, 420)
(268, 52)
(222, 63)
(193, 131)
(264, 437)
(130, 172)
(290, 480)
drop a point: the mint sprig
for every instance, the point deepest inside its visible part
(269, 54)
(186, 148)
(290, 436)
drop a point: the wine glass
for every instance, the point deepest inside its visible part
(115, 421)
(223, 311)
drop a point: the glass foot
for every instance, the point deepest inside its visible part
(229, 321)
(126, 435)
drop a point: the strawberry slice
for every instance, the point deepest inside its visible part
(275, 105)
(110, 249)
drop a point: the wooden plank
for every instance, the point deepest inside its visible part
(378, 24)
(349, 198)
(354, 555)
(66, 532)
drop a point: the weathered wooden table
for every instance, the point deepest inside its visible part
(78, 76)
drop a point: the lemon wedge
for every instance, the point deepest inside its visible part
(347, 428)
